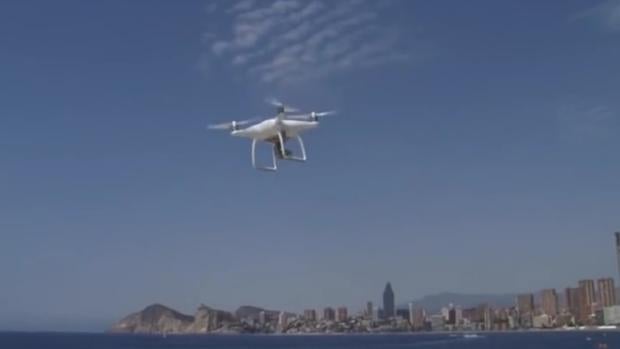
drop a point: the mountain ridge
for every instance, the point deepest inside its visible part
(434, 302)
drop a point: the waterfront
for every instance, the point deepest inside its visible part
(530, 340)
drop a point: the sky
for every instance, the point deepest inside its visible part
(475, 150)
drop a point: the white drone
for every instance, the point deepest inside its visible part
(276, 130)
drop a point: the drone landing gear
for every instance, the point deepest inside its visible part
(279, 152)
(272, 168)
(302, 158)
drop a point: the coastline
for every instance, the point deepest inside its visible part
(387, 333)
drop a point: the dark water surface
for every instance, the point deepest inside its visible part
(563, 340)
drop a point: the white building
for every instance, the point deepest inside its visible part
(458, 316)
(437, 322)
(542, 321)
(445, 312)
(611, 315)
(261, 318)
(282, 320)
(375, 314)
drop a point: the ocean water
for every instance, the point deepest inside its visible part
(561, 340)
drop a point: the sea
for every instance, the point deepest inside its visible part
(521, 340)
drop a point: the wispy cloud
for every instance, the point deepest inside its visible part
(606, 14)
(243, 5)
(284, 41)
(579, 122)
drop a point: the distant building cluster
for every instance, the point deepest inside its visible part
(589, 303)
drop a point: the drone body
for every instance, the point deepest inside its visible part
(276, 130)
(268, 130)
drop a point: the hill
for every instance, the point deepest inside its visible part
(434, 303)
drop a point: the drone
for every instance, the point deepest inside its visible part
(276, 130)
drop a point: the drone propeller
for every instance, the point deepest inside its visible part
(323, 113)
(233, 125)
(281, 106)
(313, 116)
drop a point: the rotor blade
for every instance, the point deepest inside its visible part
(274, 102)
(231, 124)
(224, 126)
(309, 116)
(299, 117)
(248, 121)
(325, 113)
(277, 103)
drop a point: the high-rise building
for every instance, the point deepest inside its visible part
(458, 315)
(525, 303)
(571, 297)
(618, 249)
(525, 308)
(606, 292)
(342, 314)
(472, 315)
(445, 312)
(411, 314)
(587, 297)
(282, 320)
(310, 315)
(451, 317)
(388, 302)
(550, 302)
(419, 319)
(488, 319)
(369, 310)
(262, 317)
(329, 314)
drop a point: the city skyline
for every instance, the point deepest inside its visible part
(590, 305)
(591, 296)
(580, 301)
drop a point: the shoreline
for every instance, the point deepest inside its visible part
(326, 334)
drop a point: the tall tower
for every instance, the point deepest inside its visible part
(369, 310)
(618, 251)
(342, 314)
(587, 297)
(606, 292)
(411, 315)
(388, 301)
(282, 321)
(525, 303)
(572, 298)
(550, 302)
(329, 314)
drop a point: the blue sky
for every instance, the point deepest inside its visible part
(476, 150)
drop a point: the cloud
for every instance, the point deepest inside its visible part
(606, 14)
(211, 7)
(243, 5)
(587, 122)
(284, 41)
